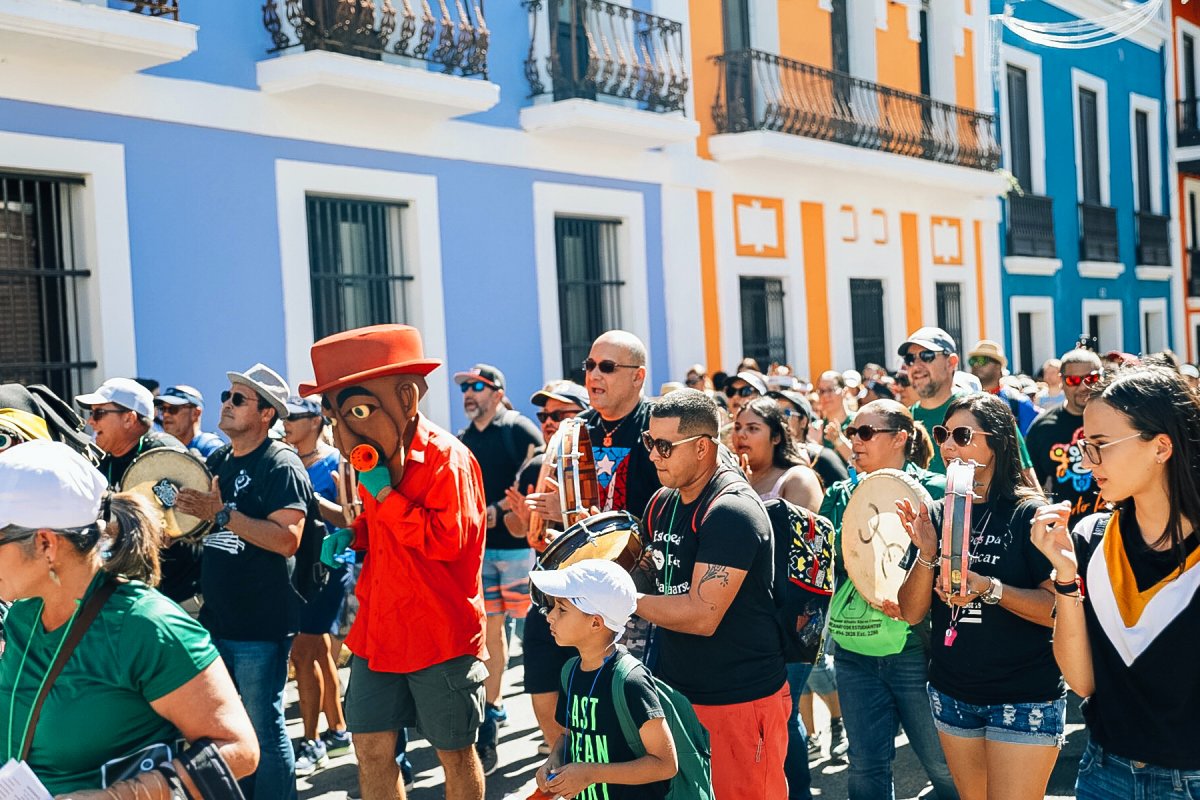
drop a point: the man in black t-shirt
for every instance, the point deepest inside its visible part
(501, 441)
(258, 510)
(1053, 439)
(718, 639)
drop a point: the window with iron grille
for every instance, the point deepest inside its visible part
(764, 335)
(949, 310)
(589, 285)
(866, 322)
(356, 260)
(42, 286)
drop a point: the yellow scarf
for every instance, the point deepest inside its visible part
(1130, 601)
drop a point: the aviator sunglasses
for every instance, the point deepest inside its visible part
(866, 432)
(665, 447)
(961, 435)
(557, 416)
(744, 391)
(607, 366)
(237, 400)
(1090, 379)
(925, 355)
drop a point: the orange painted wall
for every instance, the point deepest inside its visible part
(964, 72)
(708, 282)
(816, 286)
(980, 289)
(911, 249)
(897, 56)
(804, 32)
(707, 41)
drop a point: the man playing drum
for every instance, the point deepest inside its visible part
(418, 638)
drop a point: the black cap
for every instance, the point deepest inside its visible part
(481, 372)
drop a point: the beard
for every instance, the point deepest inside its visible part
(930, 389)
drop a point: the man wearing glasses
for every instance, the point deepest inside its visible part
(181, 408)
(121, 412)
(988, 362)
(931, 359)
(501, 441)
(1054, 439)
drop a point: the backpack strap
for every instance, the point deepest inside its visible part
(622, 668)
(567, 669)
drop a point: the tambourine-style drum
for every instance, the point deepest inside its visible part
(873, 537)
(158, 475)
(611, 536)
(956, 525)
(569, 467)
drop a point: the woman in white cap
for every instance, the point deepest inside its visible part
(102, 675)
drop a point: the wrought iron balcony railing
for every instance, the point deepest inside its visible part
(1154, 240)
(601, 48)
(762, 91)
(1188, 111)
(1030, 225)
(377, 30)
(1097, 233)
(153, 8)
(1193, 283)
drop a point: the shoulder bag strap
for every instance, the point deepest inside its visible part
(78, 628)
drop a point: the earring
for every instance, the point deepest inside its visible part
(54, 576)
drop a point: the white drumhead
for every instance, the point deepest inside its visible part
(873, 538)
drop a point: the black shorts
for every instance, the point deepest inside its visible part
(544, 659)
(320, 614)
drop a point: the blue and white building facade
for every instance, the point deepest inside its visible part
(1089, 244)
(189, 187)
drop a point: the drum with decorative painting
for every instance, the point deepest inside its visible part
(158, 475)
(873, 538)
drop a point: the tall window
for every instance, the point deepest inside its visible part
(1019, 154)
(589, 285)
(41, 285)
(839, 34)
(764, 337)
(949, 310)
(1189, 70)
(356, 258)
(1025, 343)
(1089, 145)
(866, 322)
(923, 48)
(1141, 133)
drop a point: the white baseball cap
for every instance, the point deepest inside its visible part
(594, 586)
(46, 484)
(124, 392)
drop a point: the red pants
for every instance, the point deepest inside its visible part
(749, 743)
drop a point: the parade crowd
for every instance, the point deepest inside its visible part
(142, 659)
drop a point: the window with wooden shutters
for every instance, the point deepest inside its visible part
(42, 286)
(356, 260)
(1089, 146)
(949, 310)
(866, 321)
(589, 285)
(1019, 158)
(1141, 133)
(764, 334)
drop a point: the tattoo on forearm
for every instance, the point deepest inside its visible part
(715, 572)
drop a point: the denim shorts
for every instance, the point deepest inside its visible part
(1104, 776)
(1016, 723)
(823, 679)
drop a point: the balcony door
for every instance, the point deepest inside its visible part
(739, 70)
(1188, 67)
(1141, 133)
(1020, 161)
(866, 322)
(1089, 146)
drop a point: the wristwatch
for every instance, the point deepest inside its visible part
(222, 517)
(994, 593)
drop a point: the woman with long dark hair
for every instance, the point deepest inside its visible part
(995, 690)
(774, 467)
(1127, 585)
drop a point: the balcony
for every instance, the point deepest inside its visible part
(1188, 119)
(603, 72)
(1153, 240)
(1030, 226)
(760, 91)
(1098, 253)
(109, 36)
(362, 51)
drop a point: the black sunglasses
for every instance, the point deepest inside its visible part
(101, 413)
(745, 391)
(665, 447)
(607, 366)
(925, 355)
(866, 432)
(473, 386)
(557, 416)
(961, 435)
(237, 400)
(1091, 378)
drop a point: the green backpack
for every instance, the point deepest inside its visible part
(693, 781)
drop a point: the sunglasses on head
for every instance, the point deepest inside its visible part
(1090, 379)
(474, 386)
(665, 447)
(961, 435)
(866, 432)
(744, 391)
(925, 355)
(980, 361)
(557, 416)
(607, 366)
(237, 400)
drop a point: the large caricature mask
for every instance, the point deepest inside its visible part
(371, 380)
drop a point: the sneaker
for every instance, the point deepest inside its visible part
(499, 714)
(406, 771)
(336, 741)
(310, 756)
(486, 745)
(814, 746)
(837, 738)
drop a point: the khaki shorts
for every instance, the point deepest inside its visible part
(444, 701)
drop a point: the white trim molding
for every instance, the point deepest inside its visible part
(48, 32)
(421, 238)
(1112, 322)
(1041, 327)
(1086, 80)
(101, 221)
(1030, 265)
(1153, 273)
(1153, 305)
(1032, 64)
(1101, 269)
(551, 200)
(596, 122)
(1153, 109)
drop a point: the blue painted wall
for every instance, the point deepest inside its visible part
(1127, 68)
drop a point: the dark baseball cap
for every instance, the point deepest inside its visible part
(930, 338)
(481, 372)
(180, 395)
(303, 407)
(796, 399)
(564, 392)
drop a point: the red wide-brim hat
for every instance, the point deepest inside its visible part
(351, 357)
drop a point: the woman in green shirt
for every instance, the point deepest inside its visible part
(144, 676)
(879, 693)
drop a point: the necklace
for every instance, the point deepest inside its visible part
(306, 456)
(956, 611)
(608, 434)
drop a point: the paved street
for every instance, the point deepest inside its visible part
(519, 758)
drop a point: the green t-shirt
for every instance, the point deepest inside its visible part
(140, 648)
(935, 416)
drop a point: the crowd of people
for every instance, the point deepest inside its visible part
(340, 509)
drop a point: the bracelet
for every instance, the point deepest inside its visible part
(924, 563)
(1071, 589)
